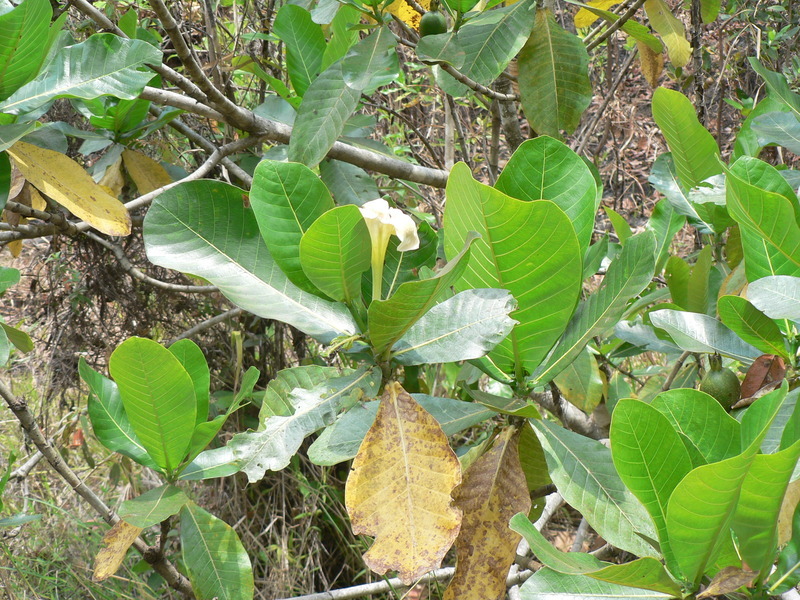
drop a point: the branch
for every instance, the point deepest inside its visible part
(208, 323)
(570, 415)
(164, 568)
(615, 26)
(167, 98)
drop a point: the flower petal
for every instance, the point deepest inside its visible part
(405, 229)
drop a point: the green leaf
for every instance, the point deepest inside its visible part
(709, 9)
(760, 416)
(627, 276)
(103, 65)
(181, 232)
(273, 446)
(554, 82)
(468, 325)
(633, 28)
(276, 399)
(348, 183)
(441, 48)
(214, 556)
(219, 462)
(663, 176)
(342, 34)
(18, 520)
(756, 520)
(697, 292)
(372, 62)
(650, 459)
(620, 225)
(23, 45)
(693, 148)
(787, 575)
(194, 361)
(9, 277)
(286, 199)
(581, 383)
(583, 471)
(778, 86)
(550, 585)
(766, 209)
(694, 332)
(158, 396)
(20, 339)
(646, 573)
(399, 267)
(752, 325)
(327, 104)
(390, 319)
(5, 347)
(747, 143)
(546, 169)
(665, 221)
(700, 513)
(5, 186)
(781, 128)
(305, 45)
(671, 31)
(489, 41)
(777, 297)
(516, 407)
(528, 248)
(705, 428)
(109, 421)
(335, 251)
(340, 441)
(154, 506)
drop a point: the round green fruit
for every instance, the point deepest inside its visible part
(432, 23)
(722, 384)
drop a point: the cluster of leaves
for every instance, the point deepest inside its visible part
(683, 482)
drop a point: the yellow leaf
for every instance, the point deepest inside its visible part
(37, 202)
(493, 491)
(63, 180)
(116, 542)
(584, 18)
(406, 13)
(146, 173)
(112, 180)
(789, 505)
(726, 581)
(15, 247)
(671, 31)
(652, 63)
(399, 489)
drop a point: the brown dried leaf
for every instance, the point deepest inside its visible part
(400, 486)
(726, 581)
(652, 63)
(767, 371)
(63, 180)
(789, 505)
(146, 173)
(493, 491)
(116, 542)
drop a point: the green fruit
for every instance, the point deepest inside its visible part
(721, 384)
(432, 23)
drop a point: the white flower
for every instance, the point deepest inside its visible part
(383, 221)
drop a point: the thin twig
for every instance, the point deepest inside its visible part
(20, 409)
(675, 370)
(615, 26)
(202, 326)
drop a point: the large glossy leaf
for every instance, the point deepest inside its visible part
(327, 104)
(219, 462)
(335, 251)
(490, 40)
(109, 421)
(581, 383)
(647, 573)
(778, 128)
(778, 86)
(551, 585)
(372, 62)
(628, 275)
(664, 178)
(217, 562)
(546, 169)
(23, 45)
(276, 400)
(181, 232)
(665, 221)
(768, 218)
(553, 77)
(466, 326)
(153, 506)
(348, 183)
(700, 333)
(747, 143)
(777, 297)
(399, 267)
(103, 65)
(583, 471)
(650, 458)
(693, 148)
(194, 361)
(305, 45)
(340, 441)
(671, 30)
(286, 199)
(158, 396)
(528, 248)
(390, 319)
(752, 325)
(279, 438)
(709, 432)
(756, 520)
